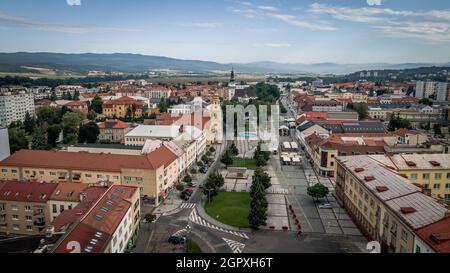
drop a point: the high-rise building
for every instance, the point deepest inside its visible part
(14, 105)
(442, 91)
(4, 143)
(420, 89)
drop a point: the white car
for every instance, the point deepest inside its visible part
(325, 206)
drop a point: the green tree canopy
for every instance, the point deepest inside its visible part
(17, 139)
(88, 133)
(318, 191)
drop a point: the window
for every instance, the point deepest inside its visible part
(53, 173)
(414, 176)
(27, 208)
(437, 176)
(4, 170)
(436, 186)
(447, 197)
(418, 249)
(14, 207)
(426, 176)
(54, 208)
(14, 171)
(29, 228)
(404, 235)
(29, 218)
(15, 217)
(88, 175)
(447, 186)
(16, 227)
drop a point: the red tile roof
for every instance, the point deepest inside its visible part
(69, 192)
(26, 191)
(113, 124)
(437, 235)
(123, 101)
(100, 224)
(85, 161)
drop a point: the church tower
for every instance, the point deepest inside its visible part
(231, 85)
(216, 121)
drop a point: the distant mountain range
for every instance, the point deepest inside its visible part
(136, 63)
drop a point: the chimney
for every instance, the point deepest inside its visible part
(82, 196)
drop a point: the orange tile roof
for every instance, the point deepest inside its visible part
(437, 235)
(113, 124)
(69, 192)
(20, 191)
(123, 101)
(85, 161)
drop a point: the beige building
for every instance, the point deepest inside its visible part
(65, 197)
(153, 173)
(23, 207)
(386, 206)
(113, 131)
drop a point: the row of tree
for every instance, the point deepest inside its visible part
(261, 157)
(231, 152)
(258, 206)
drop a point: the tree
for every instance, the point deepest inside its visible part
(163, 106)
(200, 163)
(49, 115)
(233, 149)
(318, 191)
(53, 96)
(149, 217)
(88, 133)
(263, 177)
(53, 132)
(92, 115)
(179, 187)
(437, 130)
(70, 126)
(187, 179)
(17, 139)
(39, 141)
(214, 182)
(212, 149)
(96, 105)
(226, 158)
(258, 206)
(396, 123)
(426, 101)
(362, 109)
(29, 123)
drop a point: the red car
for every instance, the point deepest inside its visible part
(189, 190)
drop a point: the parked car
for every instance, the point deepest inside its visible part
(185, 197)
(203, 169)
(325, 206)
(176, 240)
(192, 184)
(188, 190)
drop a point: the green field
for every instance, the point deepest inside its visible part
(248, 163)
(231, 208)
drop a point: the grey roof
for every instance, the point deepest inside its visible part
(305, 126)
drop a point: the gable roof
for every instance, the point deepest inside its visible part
(26, 191)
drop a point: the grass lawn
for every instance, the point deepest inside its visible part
(248, 163)
(231, 207)
(192, 247)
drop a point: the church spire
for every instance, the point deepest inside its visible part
(232, 74)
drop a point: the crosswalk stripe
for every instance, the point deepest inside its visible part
(194, 217)
(236, 247)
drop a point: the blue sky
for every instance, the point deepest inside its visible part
(351, 31)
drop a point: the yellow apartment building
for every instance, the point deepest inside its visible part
(384, 205)
(122, 107)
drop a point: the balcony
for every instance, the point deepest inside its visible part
(38, 213)
(39, 223)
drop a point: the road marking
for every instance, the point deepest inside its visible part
(188, 205)
(194, 217)
(180, 232)
(236, 247)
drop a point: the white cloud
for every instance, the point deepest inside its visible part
(268, 8)
(267, 12)
(15, 21)
(275, 45)
(202, 25)
(433, 25)
(374, 2)
(74, 2)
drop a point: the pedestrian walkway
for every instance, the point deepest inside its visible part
(195, 218)
(236, 247)
(188, 205)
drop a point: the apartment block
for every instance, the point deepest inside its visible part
(383, 203)
(108, 225)
(24, 207)
(14, 105)
(123, 107)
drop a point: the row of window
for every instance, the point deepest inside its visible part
(426, 176)
(62, 174)
(16, 227)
